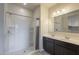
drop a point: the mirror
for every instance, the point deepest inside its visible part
(67, 22)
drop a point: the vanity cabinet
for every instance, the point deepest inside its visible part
(48, 45)
(63, 48)
(56, 47)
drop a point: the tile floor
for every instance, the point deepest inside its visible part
(29, 51)
(40, 53)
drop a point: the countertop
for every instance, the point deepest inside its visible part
(62, 38)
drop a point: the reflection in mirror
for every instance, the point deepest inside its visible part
(73, 23)
(67, 23)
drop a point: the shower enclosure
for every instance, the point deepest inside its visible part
(19, 33)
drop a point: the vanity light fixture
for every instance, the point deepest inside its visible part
(54, 13)
(58, 12)
(63, 10)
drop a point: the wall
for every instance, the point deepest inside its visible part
(43, 22)
(18, 10)
(2, 34)
(36, 14)
(68, 7)
(44, 19)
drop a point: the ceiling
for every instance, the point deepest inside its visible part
(30, 6)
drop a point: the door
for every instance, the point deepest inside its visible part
(19, 31)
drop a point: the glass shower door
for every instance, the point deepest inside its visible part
(20, 33)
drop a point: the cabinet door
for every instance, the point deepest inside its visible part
(58, 50)
(63, 48)
(77, 50)
(68, 52)
(48, 45)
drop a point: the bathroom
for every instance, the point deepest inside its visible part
(39, 28)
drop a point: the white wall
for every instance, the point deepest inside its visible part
(44, 19)
(43, 22)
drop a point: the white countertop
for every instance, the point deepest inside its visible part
(70, 40)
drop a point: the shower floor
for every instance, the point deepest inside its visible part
(21, 52)
(29, 51)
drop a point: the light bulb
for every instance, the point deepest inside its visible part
(54, 13)
(63, 10)
(58, 11)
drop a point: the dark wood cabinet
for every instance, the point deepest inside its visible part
(64, 48)
(56, 47)
(48, 45)
(60, 50)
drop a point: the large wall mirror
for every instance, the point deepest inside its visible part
(68, 22)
